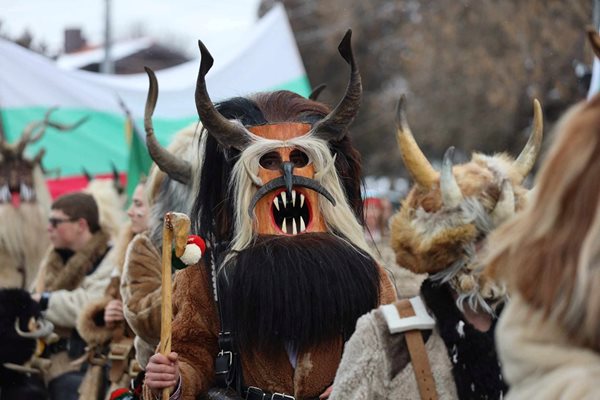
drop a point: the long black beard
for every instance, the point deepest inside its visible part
(298, 291)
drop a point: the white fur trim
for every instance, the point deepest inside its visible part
(191, 255)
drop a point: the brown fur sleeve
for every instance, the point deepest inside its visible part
(195, 329)
(140, 288)
(91, 325)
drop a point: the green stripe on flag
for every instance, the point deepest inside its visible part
(94, 145)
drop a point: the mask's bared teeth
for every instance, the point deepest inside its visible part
(302, 226)
(284, 199)
(294, 230)
(284, 226)
(276, 202)
(301, 200)
(293, 198)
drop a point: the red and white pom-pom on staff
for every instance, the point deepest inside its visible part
(194, 250)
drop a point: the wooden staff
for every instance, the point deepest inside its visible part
(176, 226)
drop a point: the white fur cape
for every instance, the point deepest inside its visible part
(538, 359)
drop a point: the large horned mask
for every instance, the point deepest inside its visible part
(447, 215)
(277, 157)
(16, 170)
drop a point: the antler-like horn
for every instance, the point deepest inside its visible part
(505, 207)
(314, 95)
(41, 126)
(335, 125)
(594, 40)
(176, 168)
(44, 328)
(116, 179)
(415, 161)
(227, 133)
(38, 157)
(88, 177)
(529, 154)
(31, 127)
(451, 193)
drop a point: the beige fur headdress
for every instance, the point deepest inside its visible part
(447, 215)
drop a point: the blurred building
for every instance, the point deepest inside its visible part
(130, 56)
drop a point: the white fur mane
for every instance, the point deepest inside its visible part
(339, 218)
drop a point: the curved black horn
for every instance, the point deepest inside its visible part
(314, 95)
(176, 168)
(88, 176)
(335, 125)
(227, 133)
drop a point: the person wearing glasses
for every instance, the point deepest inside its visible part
(102, 323)
(74, 272)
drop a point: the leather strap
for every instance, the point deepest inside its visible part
(120, 354)
(418, 355)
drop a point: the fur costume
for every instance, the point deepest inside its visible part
(548, 338)
(24, 205)
(101, 338)
(141, 291)
(315, 367)
(137, 281)
(73, 284)
(141, 277)
(439, 229)
(130, 283)
(90, 323)
(540, 361)
(278, 202)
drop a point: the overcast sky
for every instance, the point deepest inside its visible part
(177, 21)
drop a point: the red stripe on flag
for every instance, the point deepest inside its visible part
(60, 186)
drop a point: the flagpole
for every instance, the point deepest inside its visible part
(107, 66)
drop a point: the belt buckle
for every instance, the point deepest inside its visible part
(122, 353)
(282, 396)
(219, 367)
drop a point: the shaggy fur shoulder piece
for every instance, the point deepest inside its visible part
(540, 361)
(59, 275)
(376, 364)
(475, 365)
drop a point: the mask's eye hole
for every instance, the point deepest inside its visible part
(270, 160)
(299, 158)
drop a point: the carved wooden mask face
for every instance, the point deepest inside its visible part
(293, 208)
(16, 179)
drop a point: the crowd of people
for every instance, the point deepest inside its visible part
(475, 288)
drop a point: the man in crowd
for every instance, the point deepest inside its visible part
(75, 271)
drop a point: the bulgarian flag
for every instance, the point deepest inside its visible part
(264, 58)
